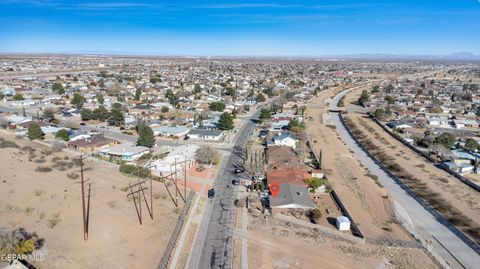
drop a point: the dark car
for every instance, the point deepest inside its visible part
(211, 193)
(236, 181)
(82, 123)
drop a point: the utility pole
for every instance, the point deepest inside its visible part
(140, 190)
(84, 211)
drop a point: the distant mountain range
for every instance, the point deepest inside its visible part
(458, 56)
(463, 56)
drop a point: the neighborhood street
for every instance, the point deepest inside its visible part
(213, 247)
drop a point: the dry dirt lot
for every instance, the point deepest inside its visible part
(275, 244)
(366, 201)
(36, 200)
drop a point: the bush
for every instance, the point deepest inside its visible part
(43, 169)
(133, 170)
(8, 144)
(54, 221)
(315, 214)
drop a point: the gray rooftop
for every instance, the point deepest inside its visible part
(291, 196)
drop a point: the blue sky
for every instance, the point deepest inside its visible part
(241, 28)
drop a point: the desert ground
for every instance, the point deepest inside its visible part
(49, 203)
(273, 244)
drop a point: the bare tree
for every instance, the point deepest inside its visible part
(207, 155)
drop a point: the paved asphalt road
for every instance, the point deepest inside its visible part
(214, 243)
(451, 248)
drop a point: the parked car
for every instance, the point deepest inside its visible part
(236, 181)
(211, 193)
(238, 170)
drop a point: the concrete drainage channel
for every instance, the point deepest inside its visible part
(455, 250)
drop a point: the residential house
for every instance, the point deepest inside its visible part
(171, 131)
(283, 139)
(204, 134)
(92, 143)
(291, 196)
(125, 152)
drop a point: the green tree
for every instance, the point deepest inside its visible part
(77, 100)
(164, 109)
(295, 125)
(58, 88)
(379, 113)
(34, 131)
(390, 99)
(117, 106)
(197, 88)
(138, 92)
(100, 98)
(260, 98)
(445, 139)
(172, 98)
(116, 116)
(265, 114)
(49, 114)
(18, 96)
(86, 114)
(471, 145)
(217, 106)
(62, 134)
(226, 121)
(389, 88)
(100, 113)
(376, 89)
(146, 136)
(364, 97)
(314, 183)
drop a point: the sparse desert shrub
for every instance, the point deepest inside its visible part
(54, 220)
(8, 144)
(43, 169)
(112, 204)
(38, 192)
(315, 214)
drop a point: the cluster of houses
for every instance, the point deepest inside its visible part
(424, 108)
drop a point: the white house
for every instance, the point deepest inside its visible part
(283, 139)
(125, 151)
(174, 131)
(343, 223)
(204, 134)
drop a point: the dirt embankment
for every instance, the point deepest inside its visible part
(453, 199)
(38, 191)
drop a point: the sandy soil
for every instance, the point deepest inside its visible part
(366, 201)
(30, 199)
(275, 245)
(451, 189)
